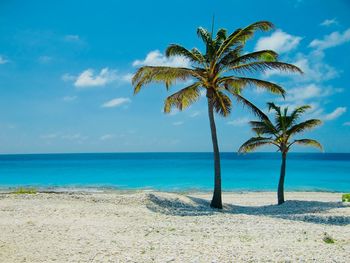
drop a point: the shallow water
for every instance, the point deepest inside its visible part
(176, 171)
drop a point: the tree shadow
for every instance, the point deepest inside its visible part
(296, 210)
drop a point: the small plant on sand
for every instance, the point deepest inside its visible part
(279, 133)
(23, 190)
(327, 239)
(345, 198)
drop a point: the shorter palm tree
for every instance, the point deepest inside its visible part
(279, 134)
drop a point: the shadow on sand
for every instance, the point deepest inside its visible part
(306, 211)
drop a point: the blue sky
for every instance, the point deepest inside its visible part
(65, 70)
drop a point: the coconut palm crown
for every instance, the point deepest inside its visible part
(280, 135)
(219, 71)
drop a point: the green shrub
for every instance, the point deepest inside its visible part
(345, 198)
(23, 190)
(327, 239)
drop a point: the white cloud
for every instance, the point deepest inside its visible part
(329, 22)
(69, 98)
(44, 59)
(331, 40)
(70, 137)
(308, 92)
(107, 137)
(115, 102)
(173, 112)
(239, 121)
(334, 114)
(195, 114)
(68, 77)
(312, 95)
(74, 137)
(50, 136)
(313, 66)
(88, 79)
(178, 123)
(72, 38)
(279, 41)
(127, 77)
(155, 58)
(3, 60)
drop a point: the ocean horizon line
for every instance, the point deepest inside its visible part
(167, 152)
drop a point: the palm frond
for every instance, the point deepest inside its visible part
(221, 103)
(167, 75)
(258, 56)
(296, 113)
(240, 36)
(177, 50)
(308, 142)
(254, 143)
(242, 82)
(198, 54)
(273, 106)
(230, 55)
(264, 127)
(220, 35)
(303, 126)
(262, 66)
(254, 109)
(204, 35)
(183, 98)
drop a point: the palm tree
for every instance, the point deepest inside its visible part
(215, 72)
(280, 135)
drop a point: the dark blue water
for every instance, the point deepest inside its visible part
(176, 171)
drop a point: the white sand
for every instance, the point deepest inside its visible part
(162, 227)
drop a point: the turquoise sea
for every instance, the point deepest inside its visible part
(176, 171)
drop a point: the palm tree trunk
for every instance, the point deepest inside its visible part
(280, 192)
(216, 202)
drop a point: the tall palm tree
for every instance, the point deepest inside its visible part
(216, 72)
(280, 135)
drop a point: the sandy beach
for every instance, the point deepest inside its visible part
(147, 226)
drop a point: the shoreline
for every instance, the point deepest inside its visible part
(104, 189)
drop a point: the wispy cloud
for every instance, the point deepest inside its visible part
(72, 38)
(313, 66)
(65, 136)
(195, 114)
(173, 112)
(329, 22)
(3, 60)
(106, 137)
(68, 77)
(115, 102)
(156, 58)
(332, 40)
(178, 123)
(334, 114)
(239, 122)
(69, 98)
(310, 91)
(44, 59)
(279, 41)
(50, 136)
(347, 123)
